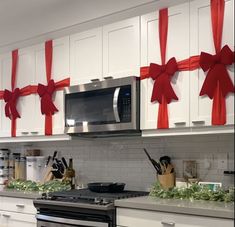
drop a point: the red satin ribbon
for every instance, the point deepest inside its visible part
(188, 64)
(162, 74)
(11, 98)
(46, 91)
(217, 83)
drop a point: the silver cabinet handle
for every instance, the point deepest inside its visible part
(168, 223)
(180, 123)
(108, 77)
(95, 80)
(198, 122)
(115, 104)
(6, 215)
(24, 133)
(20, 205)
(34, 133)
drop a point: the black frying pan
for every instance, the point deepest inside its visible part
(106, 187)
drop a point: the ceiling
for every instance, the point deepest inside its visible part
(21, 20)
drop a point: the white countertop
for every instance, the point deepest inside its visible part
(202, 208)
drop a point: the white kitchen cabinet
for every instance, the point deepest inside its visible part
(140, 218)
(60, 71)
(5, 83)
(18, 212)
(178, 47)
(121, 48)
(86, 56)
(201, 39)
(25, 76)
(13, 219)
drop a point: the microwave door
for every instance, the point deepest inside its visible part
(115, 104)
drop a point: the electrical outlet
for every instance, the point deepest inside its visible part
(223, 161)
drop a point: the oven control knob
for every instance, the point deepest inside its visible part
(97, 200)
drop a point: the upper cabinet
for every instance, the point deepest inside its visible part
(60, 71)
(26, 104)
(86, 56)
(201, 39)
(5, 83)
(109, 51)
(178, 47)
(121, 48)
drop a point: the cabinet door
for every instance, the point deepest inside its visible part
(26, 105)
(86, 56)
(5, 83)
(201, 39)
(121, 48)
(178, 47)
(140, 218)
(12, 219)
(60, 70)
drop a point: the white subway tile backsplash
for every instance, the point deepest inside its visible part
(123, 159)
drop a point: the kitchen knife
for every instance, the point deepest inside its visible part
(154, 163)
(64, 162)
(60, 165)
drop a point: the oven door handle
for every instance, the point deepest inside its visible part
(115, 104)
(69, 221)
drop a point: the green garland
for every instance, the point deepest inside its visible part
(31, 186)
(194, 192)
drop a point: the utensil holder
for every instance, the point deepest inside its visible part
(167, 180)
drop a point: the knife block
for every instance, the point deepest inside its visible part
(167, 181)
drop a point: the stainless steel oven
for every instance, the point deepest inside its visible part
(50, 221)
(110, 106)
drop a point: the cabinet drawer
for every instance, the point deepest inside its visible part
(140, 218)
(13, 219)
(18, 205)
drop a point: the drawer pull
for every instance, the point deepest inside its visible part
(168, 223)
(20, 205)
(198, 122)
(6, 215)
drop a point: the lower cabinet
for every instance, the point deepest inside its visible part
(14, 219)
(17, 212)
(141, 218)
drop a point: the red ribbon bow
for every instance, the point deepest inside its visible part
(11, 98)
(216, 64)
(46, 92)
(162, 74)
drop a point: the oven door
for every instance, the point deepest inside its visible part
(50, 221)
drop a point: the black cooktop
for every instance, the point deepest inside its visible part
(86, 194)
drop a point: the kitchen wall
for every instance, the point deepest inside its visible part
(122, 159)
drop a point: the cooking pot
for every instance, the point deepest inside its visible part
(106, 187)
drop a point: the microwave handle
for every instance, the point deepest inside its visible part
(115, 104)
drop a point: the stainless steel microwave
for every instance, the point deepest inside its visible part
(104, 107)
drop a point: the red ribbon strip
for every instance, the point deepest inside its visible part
(46, 91)
(162, 74)
(217, 83)
(188, 64)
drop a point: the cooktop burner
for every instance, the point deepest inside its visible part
(88, 197)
